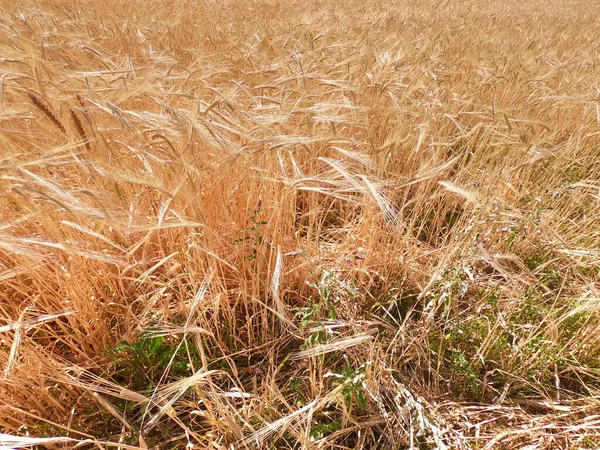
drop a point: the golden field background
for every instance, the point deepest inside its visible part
(320, 224)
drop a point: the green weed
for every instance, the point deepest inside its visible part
(253, 238)
(143, 362)
(353, 391)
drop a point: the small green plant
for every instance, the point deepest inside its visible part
(331, 290)
(534, 307)
(319, 430)
(460, 345)
(144, 361)
(328, 282)
(451, 289)
(467, 373)
(310, 317)
(548, 275)
(298, 390)
(253, 237)
(296, 384)
(353, 390)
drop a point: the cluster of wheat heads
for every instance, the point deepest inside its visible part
(283, 224)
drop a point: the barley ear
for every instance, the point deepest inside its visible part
(45, 107)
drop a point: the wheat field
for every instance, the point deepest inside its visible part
(297, 224)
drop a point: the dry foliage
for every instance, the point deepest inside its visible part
(283, 224)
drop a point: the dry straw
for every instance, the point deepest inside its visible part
(316, 224)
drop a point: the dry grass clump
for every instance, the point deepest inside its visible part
(324, 225)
